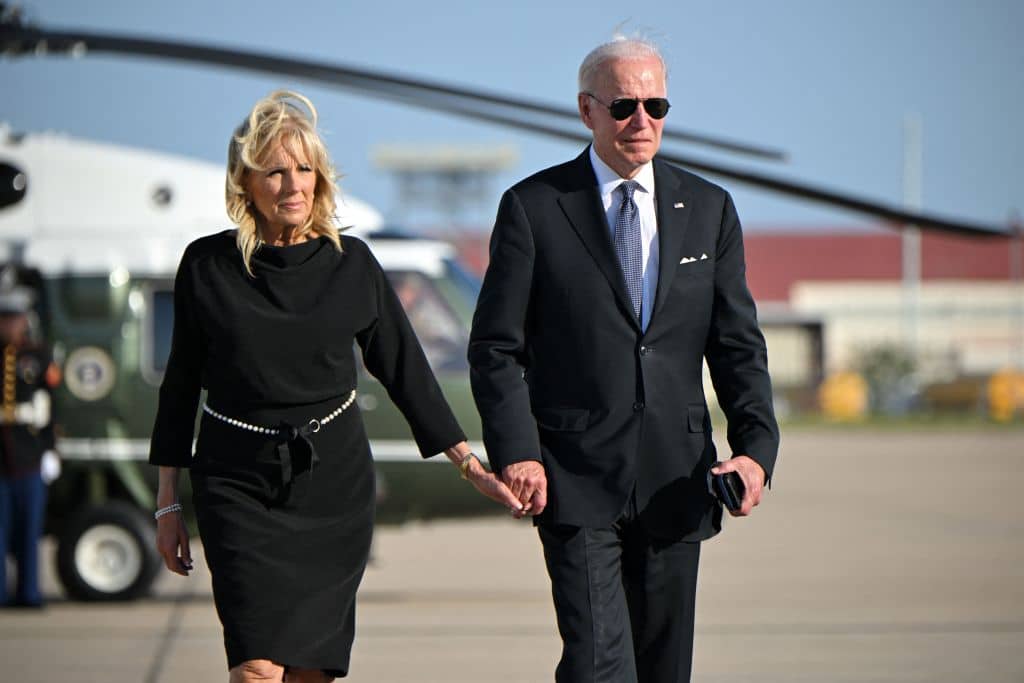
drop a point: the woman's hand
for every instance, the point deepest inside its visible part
(172, 543)
(171, 534)
(483, 481)
(491, 486)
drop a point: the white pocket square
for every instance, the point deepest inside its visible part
(691, 259)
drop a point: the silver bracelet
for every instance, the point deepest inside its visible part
(173, 507)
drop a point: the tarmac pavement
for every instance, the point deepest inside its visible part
(877, 556)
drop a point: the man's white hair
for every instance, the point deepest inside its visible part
(619, 47)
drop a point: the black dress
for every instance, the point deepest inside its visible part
(286, 519)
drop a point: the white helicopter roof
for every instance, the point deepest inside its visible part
(96, 207)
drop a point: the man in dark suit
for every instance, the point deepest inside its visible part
(611, 277)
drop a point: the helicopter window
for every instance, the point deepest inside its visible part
(163, 326)
(12, 185)
(461, 289)
(433, 309)
(84, 298)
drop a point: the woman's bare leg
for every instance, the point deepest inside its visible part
(256, 671)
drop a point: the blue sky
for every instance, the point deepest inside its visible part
(829, 81)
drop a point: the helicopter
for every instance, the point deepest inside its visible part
(106, 287)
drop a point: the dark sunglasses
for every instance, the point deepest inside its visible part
(622, 108)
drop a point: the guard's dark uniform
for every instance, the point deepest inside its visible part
(26, 432)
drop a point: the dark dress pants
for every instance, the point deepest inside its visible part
(22, 514)
(624, 602)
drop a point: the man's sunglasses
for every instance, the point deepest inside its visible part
(622, 108)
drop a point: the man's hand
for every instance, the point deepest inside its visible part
(529, 484)
(752, 475)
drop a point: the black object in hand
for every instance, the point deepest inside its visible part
(729, 489)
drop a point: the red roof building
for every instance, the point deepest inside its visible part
(776, 260)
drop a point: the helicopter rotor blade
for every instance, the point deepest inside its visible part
(19, 40)
(894, 215)
(59, 42)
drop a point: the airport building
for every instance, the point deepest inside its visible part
(962, 315)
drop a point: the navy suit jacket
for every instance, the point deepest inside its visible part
(562, 373)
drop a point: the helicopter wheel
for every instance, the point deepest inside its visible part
(108, 553)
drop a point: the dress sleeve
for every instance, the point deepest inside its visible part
(393, 355)
(171, 442)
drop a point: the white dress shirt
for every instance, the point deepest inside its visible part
(608, 182)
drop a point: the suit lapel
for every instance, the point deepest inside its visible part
(582, 206)
(673, 207)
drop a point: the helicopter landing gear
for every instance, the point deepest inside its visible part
(107, 553)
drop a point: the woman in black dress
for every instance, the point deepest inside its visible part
(265, 318)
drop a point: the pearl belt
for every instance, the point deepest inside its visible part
(291, 441)
(313, 426)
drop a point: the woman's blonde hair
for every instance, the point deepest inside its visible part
(287, 118)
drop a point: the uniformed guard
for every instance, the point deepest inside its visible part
(27, 455)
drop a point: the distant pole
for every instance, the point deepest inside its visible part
(1017, 287)
(912, 192)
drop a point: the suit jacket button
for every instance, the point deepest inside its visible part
(644, 350)
(638, 406)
